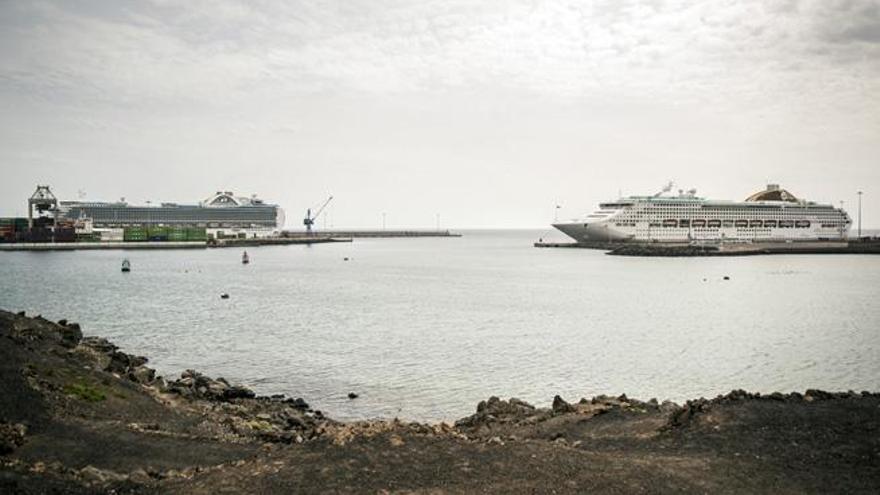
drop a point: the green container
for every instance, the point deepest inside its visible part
(196, 234)
(157, 232)
(134, 234)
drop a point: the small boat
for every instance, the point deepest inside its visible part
(244, 258)
(126, 266)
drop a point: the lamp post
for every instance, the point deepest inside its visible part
(860, 214)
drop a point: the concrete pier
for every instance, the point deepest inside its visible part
(220, 243)
(858, 246)
(372, 233)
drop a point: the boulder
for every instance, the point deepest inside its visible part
(71, 334)
(11, 437)
(142, 375)
(561, 407)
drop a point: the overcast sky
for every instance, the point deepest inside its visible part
(488, 113)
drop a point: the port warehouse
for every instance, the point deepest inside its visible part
(223, 215)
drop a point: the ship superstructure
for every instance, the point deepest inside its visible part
(773, 214)
(223, 210)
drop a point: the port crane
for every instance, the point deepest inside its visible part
(309, 220)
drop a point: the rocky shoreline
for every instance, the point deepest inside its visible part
(80, 416)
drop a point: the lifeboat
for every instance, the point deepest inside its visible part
(670, 223)
(714, 224)
(756, 223)
(741, 223)
(802, 224)
(770, 223)
(786, 224)
(698, 223)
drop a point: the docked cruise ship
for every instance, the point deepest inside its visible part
(773, 214)
(223, 210)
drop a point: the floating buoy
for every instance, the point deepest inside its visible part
(126, 266)
(352, 395)
(345, 259)
(726, 277)
(245, 259)
(224, 296)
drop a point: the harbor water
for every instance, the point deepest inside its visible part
(424, 328)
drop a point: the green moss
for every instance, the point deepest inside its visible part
(259, 425)
(85, 392)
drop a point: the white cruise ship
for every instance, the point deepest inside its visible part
(770, 215)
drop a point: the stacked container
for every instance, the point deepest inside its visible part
(177, 234)
(157, 234)
(64, 234)
(112, 235)
(196, 234)
(134, 234)
(7, 230)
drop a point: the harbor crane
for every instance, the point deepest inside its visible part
(309, 220)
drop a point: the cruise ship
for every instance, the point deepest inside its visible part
(773, 214)
(222, 210)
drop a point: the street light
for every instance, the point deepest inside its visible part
(860, 214)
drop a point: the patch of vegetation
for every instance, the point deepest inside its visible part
(84, 391)
(259, 425)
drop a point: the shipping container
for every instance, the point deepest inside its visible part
(64, 234)
(93, 237)
(196, 234)
(7, 233)
(134, 234)
(38, 235)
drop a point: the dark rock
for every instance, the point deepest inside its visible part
(21, 313)
(142, 375)
(352, 395)
(561, 407)
(11, 437)
(297, 403)
(62, 322)
(71, 334)
(238, 392)
(99, 344)
(497, 410)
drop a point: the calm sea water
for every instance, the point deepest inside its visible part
(423, 329)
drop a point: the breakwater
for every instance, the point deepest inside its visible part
(658, 249)
(372, 233)
(153, 245)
